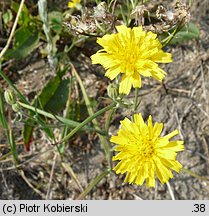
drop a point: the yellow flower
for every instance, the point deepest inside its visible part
(74, 3)
(143, 154)
(132, 52)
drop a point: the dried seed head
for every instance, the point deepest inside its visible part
(138, 14)
(158, 28)
(160, 18)
(182, 11)
(100, 11)
(170, 15)
(78, 26)
(90, 21)
(102, 15)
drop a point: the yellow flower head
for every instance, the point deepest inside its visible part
(74, 3)
(132, 52)
(144, 154)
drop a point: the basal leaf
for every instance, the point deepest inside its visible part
(21, 35)
(25, 48)
(188, 32)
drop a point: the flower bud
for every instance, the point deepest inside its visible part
(112, 91)
(10, 97)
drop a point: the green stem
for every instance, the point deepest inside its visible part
(86, 121)
(67, 115)
(51, 47)
(132, 4)
(107, 125)
(170, 37)
(93, 184)
(63, 120)
(109, 118)
(74, 42)
(190, 3)
(194, 174)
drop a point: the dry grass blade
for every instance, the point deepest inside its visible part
(70, 171)
(51, 177)
(91, 113)
(30, 185)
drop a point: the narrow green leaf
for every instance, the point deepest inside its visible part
(13, 146)
(3, 121)
(27, 134)
(9, 133)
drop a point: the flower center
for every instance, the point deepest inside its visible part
(129, 58)
(145, 149)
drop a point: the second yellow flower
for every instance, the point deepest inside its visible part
(132, 52)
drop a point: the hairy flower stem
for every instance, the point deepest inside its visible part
(63, 120)
(93, 184)
(42, 7)
(86, 121)
(107, 125)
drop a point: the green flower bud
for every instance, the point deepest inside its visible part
(10, 97)
(112, 91)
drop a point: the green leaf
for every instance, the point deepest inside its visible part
(51, 88)
(78, 110)
(47, 92)
(24, 18)
(7, 17)
(55, 20)
(27, 133)
(21, 35)
(187, 33)
(25, 48)
(58, 101)
(40, 101)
